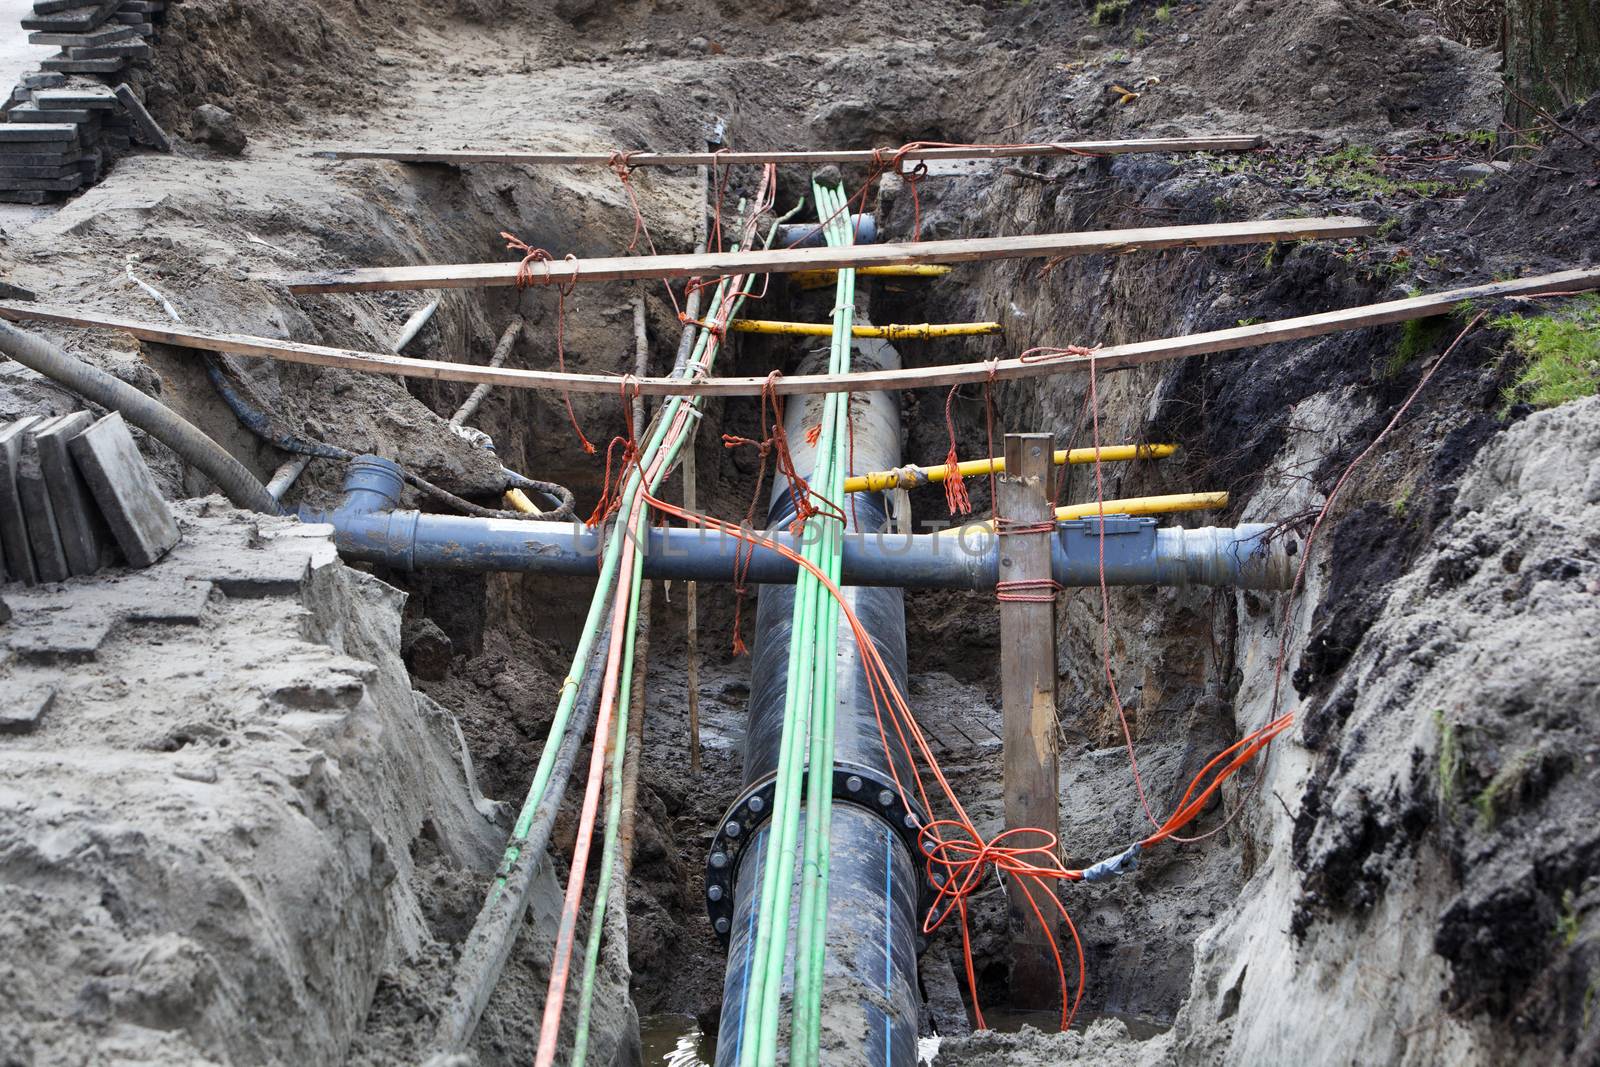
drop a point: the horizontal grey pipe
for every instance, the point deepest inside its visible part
(1137, 551)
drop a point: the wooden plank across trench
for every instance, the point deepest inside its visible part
(463, 157)
(1111, 357)
(788, 260)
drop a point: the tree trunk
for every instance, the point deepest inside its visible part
(1552, 54)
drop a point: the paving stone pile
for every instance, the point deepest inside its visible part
(66, 122)
(76, 496)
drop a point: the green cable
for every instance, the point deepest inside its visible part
(634, 519)
(811, 949)
(706, 348)
(591, 623)
(810, 685)
(602, 892)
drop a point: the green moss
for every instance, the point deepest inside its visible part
(1401, 502)
(1107, 12)
(1356, 171)
(1561, 353)
(1417, 337)
(1164, 14)
(1141, 37)
(1451, 765)
(1567, 924)
(1502, 788)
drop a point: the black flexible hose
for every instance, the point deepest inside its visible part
(254, 418)
(147, 413)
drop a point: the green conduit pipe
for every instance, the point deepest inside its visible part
(603, 887)
(811, 950)
(602, 898)
(490, 941)
(802, 698)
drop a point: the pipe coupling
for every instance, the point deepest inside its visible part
(852, 784)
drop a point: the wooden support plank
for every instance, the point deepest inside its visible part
(1028, 697)
(1112, 357)
(788, 260)
(724, 159)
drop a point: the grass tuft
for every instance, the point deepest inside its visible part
(1451, 765)
(1493, 802)
(1356, 171)
(1108, 12)
(1417, 338)
(1567, 924)
(1561, 351)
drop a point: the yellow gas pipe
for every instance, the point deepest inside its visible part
(919, 332)
(911, 476)
(1137, 505)
(816, 279)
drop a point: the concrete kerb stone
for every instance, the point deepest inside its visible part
(85, 537)
(23, 706)
(13, 527)
(49, 556)
(122, 486)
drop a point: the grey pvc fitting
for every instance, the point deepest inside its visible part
(369, 528)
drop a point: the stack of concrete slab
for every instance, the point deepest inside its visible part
(75, 494)
(63, 126)
(93, 36)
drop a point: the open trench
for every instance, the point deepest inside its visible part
(1195, 668)
(1174, 652)
(493, 648)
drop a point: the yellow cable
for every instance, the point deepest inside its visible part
(1138, 505)
(816, 279)
(920, 332)
(910, 477)
(517, 500)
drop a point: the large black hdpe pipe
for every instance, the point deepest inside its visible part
(809, 234)
(150, 415)
(870, 994)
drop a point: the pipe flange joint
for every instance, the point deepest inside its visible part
(852, 784)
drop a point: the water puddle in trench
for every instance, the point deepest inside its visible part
(678, 1041)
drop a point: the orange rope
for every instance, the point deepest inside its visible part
(955, 485)
(526, 276)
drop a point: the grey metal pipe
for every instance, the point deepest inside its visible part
(147, 413)
(370, 529)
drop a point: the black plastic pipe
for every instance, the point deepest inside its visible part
(870, 993)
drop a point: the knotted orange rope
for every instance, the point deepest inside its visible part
(526, 276)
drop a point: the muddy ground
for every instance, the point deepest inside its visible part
(1356, 881)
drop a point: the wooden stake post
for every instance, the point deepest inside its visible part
(1028, 696)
